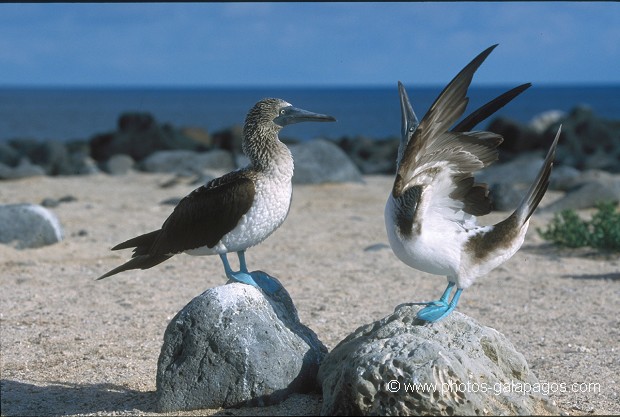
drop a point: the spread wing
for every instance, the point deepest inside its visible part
(439, 163)
(489, 108)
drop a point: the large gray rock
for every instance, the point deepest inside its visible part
(83, 164)
(232, 346)
(468, 369)
(119, 164)
(28, 226)
(521, 170)
(319, 161)
(590, 192)
(188, 162)
(564, 178)
(507, 196)
(24, 169)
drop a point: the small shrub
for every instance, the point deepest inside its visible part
(602, 232)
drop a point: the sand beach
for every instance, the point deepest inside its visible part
(71, 345)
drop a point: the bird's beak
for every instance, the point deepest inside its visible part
(290, 115)
(409, 121)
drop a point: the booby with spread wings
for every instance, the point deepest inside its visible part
(430, 215)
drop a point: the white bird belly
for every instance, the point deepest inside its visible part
(436, 249)
(271, 205)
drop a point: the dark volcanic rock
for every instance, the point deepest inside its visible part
(399, 366)
(587, 141)
(49, 202)
(518, 137)
(229, 139)
(138, 136)
(371, 156)
(232, 346)
(80, 159)
(24, 146)
(53, 156)
(8, 155)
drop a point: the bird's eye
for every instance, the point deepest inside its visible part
(282, 111)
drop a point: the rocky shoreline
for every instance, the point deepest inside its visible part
(587, 164)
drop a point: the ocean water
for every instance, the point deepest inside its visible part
(79, 113)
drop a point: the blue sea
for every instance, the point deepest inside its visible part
(79, 113)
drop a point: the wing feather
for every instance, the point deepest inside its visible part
(447, 108)
(439, 162)
(206, 214)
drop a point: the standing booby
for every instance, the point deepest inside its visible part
(430, 215)
(237, 210)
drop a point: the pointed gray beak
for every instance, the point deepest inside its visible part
(409, 121)
(290, 115)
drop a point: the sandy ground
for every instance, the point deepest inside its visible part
(73, 345)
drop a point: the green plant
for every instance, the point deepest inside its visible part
(602, 231)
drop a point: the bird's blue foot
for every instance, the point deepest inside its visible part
(266, 282)
(257, 279)
(243, 277)
(437, 310)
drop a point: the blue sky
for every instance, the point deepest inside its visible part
(301, 44)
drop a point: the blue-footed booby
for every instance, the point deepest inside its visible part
(236, 211)
(430, 215)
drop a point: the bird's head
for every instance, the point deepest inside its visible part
(264, 121)
(275, 113)
(409, 121)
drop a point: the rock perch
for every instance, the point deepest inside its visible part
(398, 366)
(233, 346)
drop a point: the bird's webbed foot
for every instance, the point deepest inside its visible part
(257, 279)
(437, 310)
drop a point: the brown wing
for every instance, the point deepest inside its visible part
(206, 215)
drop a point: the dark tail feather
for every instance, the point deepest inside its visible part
(488, 109)
(539, 187)
(145, 240)
(139, 262)
(141, 259)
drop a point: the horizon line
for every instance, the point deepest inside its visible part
(291, 86)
